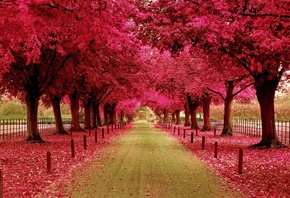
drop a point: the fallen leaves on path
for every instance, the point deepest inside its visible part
(266, 173)
(24, 165)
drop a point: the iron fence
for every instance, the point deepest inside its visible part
(15, 128)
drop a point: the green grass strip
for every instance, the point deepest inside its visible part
(146, 162)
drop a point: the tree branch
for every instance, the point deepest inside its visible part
(216, 92)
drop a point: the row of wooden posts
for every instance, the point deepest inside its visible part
(240, 155)
(72, 143)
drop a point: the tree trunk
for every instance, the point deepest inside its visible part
(228, 123)
(98, 114)
(165, 118)
(112, 114)
(265, 90)
(122, 116)
(193, 119)
(173, 120)
(55, 101)
(87, 121)
(32, 102)
(186, 112)
(106, 114)
(74, 106)
(206, 113)
(177, 115)
(94, 116)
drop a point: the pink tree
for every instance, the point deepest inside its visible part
(254, 33)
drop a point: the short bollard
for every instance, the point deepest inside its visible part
(115, 127)
(72, 148)
(191, 138)
(48, 162)
(85, 142)
(184, 133)
(178, 130)
(96, 136)
(103, 133)
(240, 163)
(215, 149)
(202, 143)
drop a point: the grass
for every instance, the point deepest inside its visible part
(146, 162)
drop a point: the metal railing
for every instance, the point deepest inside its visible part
(15, 128)
(253, 127)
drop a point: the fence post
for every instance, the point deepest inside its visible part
(202, 143)
(72, 148)
(48, 160)
(240, 162)
(96, 136)
(215, 149)
(85, 142)
(191, 138)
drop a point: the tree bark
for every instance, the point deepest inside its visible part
(87, 121)
(228, 123)
(98, 114)
(32, 102)
(94, 116)
(122, 116)
(165, 118)
(193, 104)
(74, 106)
(173, 120)
(177, 115)
(106, 113)
(186, 112)
(265, 91)
(206, 113)
(112, 114)
(55, 101)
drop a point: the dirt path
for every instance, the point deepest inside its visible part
(146, 162)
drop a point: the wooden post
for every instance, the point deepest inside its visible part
(72, 148)
(183, 133)
(215, 149)
(202, 143)
(240, 163)
(48, 162)
(96, 136)
(178, 130)
(85, 142)
(191, 138)
(103, 132)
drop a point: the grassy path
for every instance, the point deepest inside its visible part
(146, 163)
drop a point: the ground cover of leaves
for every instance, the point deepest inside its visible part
(266, 173)
(24, 165)
(146, 162)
